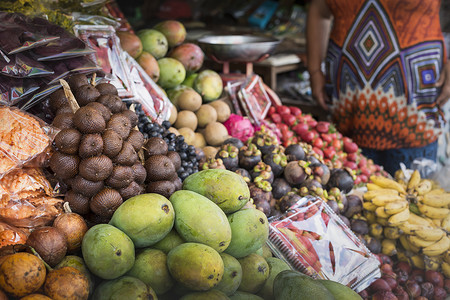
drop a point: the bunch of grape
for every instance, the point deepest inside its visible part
(189, 162)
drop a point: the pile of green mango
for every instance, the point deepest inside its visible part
(205, 242)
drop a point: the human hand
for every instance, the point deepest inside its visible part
(317, 80)
(444, 84)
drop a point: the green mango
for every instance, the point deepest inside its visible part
(199, 220)
(255, 272)
(208, 295)
(293, 285)
(189, 80)
(264, 251)
(150, 266)
(208, 84)
(196, 266)
(125, 287)
(232, 275)
(250, 230)
(145, 218)
(107, 251)
(170, 241)
(276, 265)
(239, 295)
(225, 188)
(340, 291)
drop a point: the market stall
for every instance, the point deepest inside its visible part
(130, 170)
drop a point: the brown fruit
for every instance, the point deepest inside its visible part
(206, 114)
(21, 274)
(103, 110)
(64, 121)
(136, 139)
(150, 65)
(89, 120)
(67, 283)
(106, 202)
(120, 177)
(65, 166)
(164, 187)
(106, 89)
(223, 110)
(186, 118)
(130, 43)
(155, 145)
(127, 156)
(65, 109)
(76, 81)
(86, 187)
(50, 243)
(112, 143)
(120, 124)
(86, 94)
(73, 226)
(133, 189)
(78, 203)
(113, 102)
(178, 183)
(159, 167)
(215, 134)
(90, 145)
(57, 100)
(175, 158)
(35, 297)
(139, 173)
(67, 141)
(132, 116)
(96, 168)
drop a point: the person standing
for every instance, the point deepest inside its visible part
(386, 75)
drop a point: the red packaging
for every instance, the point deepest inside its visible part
(254, 99)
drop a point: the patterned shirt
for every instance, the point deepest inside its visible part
(383, 59)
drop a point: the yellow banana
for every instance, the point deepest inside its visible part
(399, 175)
(438, 191)
(392, 233)
(388, 247)
(433, 212)
(382, 200)
(369, 195)
(418, 220)
(417, 261)
(437, 222)
(432, 262)
(370, 216)
(418, 242)
(409, 228)
(372, 187)
(445, 266)
(433, 234)
(445, 223)
(424, 187)
(437, 248)
(447, 256)
(369, 206)
(382, 221)
(376, 230)
(414, 180)
(407, 245)
(380, 212)
(392, 208)
(387, 183)
(399, 218)
(402, 256)
(441, 200)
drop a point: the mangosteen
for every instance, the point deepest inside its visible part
(244, 173)
(235, 142)
(262, 170)
(359, 226)
(354, 203)
(213, 163)
(264, 140)
(249, 156)
(312, 159)
(321, 172)
(288, 200)
(294, 152)
(312, 187)
(229, 155)
(333, 205)
(373, 244)
(296, 172)
(342, 179)
(277, 161)
(345, 220)
(280, 187)
(260, 192)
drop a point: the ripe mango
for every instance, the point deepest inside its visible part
(197, 219)
(255, 272)
(196, 266)
(225, 188)
(293, 285)
(340, 291)
(232, 275)
(170, 241)
(250, 230)
(125, 287)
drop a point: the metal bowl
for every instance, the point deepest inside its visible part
(238, 48)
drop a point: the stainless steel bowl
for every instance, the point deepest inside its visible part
(238, 48)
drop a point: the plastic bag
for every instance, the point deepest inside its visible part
(23, 138)
(442, 176)
(312, 239)
(426, 167)
(20, 65)
(10, 235)
(254, 99)
(13, 90)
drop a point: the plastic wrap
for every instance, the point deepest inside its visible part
(20, 66)
(312, 239)
(10, 235)
(13, 90)
(254, 99)
(108, 55)
(23, 138)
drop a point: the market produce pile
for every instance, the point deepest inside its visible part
(148, 183)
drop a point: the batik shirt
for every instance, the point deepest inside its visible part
(384, 58)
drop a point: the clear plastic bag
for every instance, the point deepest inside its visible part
(426, 167)
(312, 239)
(10, 235)
(442, 176)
